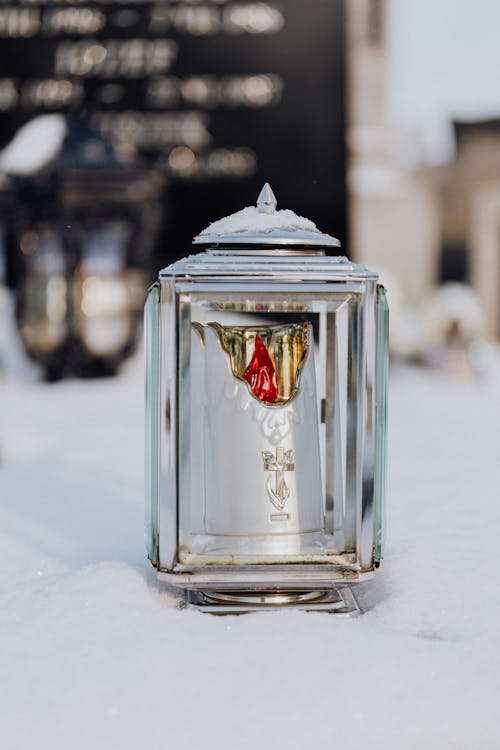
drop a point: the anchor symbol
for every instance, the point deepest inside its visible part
(279, 462)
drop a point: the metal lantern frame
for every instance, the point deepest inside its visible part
(56, 214)
(283, 269)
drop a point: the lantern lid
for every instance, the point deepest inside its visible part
(264, 225)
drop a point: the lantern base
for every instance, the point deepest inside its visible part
(338, 601)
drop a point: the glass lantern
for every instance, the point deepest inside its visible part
(79, 240)
(266, 391)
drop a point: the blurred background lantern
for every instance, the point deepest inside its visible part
(79, 244)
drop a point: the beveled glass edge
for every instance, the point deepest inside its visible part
(336, 425)
(381, 394)
(367, 428)
(168, 510)
(151, 442)
(355, 417)
(183, 334)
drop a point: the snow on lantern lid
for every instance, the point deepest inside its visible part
(264, 225)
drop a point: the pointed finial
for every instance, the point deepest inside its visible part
(266, 202)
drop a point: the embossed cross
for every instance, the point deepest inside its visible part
(279, 462)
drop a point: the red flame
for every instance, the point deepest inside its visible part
(261, 375)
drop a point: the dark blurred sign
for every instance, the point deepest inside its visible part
(222, 94)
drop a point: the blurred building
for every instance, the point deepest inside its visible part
(394, 217)
(423, 224)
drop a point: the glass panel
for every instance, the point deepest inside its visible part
(151, 341)
(382, 371)
(266, 401)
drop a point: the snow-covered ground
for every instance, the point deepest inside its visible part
(94, 654)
